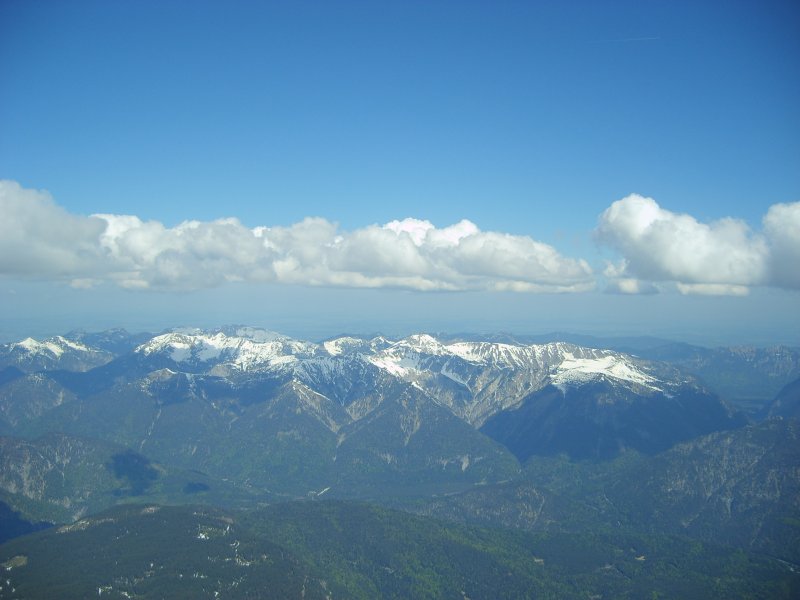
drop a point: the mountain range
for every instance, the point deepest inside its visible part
(543, 436)
(349, 412)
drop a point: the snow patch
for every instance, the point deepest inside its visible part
(575, 371)
(389, 365)
(55, 346)
(259, 349)
(341, 345)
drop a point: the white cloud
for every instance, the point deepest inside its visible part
(712, 289)
(190, 256)
(42, 240)
(627, 285)
(722, 257)
(39, 238)
(782, 229)
(415, 254)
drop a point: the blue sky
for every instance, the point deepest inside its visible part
(528, 119)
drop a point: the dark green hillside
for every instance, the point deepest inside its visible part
(599, 420)
(10, 374)
(153, 552)
(283, 437)
(59, 478)
(345, 550)
(13, 524)
(410, 445)
(740, 488)
(380, 553)
(267, 437)
(370, 552)
(26, 397)
(787, 402)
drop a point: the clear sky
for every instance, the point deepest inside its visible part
(316, 167)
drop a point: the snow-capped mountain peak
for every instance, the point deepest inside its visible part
(478, 379)
(52, 353)
(578, 370)
(347, 344)
(254, 334)
(483, 376)
(423, 343)
(253, 350)
(338, 346)
(55, 346)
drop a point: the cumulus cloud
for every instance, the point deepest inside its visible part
(782, 230)
(37, 236)
(722, 257)
(40, 239)
(625, 285)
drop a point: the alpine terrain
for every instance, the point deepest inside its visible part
(549, 441)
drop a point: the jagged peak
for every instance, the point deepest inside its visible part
(255, 348)
(56, 346)
(419, 343)
(347, 344)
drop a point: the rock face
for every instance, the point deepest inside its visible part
(476, 380)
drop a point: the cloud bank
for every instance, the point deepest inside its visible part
(40, 239)
(723, 257)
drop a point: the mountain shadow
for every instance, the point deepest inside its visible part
(135, 469)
